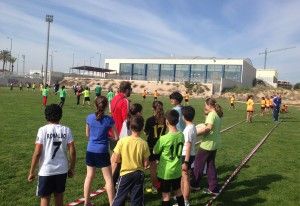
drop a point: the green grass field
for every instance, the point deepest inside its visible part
(270, 178)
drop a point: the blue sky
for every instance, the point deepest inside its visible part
(154, 28)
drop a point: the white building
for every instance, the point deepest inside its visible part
(269, 76)
(224, 72)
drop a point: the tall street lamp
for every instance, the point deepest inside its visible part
(51, 68)
(91, 60)
(23, 57)
(99, 59)
(49, 19)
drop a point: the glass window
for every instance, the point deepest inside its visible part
(167, 72)
(138, 71)
(125, 70)
(214, 73)
(152, 72)
(198, 73)
(233, 72)
(182, 72)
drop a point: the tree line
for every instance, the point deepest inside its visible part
(6, 57)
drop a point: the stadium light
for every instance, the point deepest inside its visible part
(49, 19)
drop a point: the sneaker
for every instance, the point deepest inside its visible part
(186, 203)
(195, 188)
(207, 191)
(148, 189)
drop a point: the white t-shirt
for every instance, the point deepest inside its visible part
(54, 158)
(124, 131)
(190, 135)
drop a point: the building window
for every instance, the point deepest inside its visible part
(198, 73)
(125, 70)
(214, 73)
(182, 72)
(233, 72)
(152, 72)
(138, 71)
(167, 72)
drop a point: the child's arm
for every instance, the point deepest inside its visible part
(35, 158)
(205, 130)
(146, 163)
(187, 156)
(72, 153)
(87, 131)
(115, 133)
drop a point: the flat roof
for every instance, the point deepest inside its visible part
(93, 69)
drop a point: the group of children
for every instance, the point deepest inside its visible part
(169, 152)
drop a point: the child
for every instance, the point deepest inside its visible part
(176, 99)
(132, 152)
(232, 102)
(262, 106)
(78, 93)
(27, 86)
(154, 128)
(86, 94)
(21, 86)
(144, 94)
(51, 146)
(186, 98)
(155, 95)
(97, 156)
(45, 93)
(188, 152)
(268, 104)
(169, 147)
(98, 90)
(250, 108)
(62, 94)
(33, 87)
(110, 95)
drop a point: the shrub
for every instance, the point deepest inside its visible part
(297, 85)
(142, 86)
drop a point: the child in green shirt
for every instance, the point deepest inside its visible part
(86, 94)
(169, 147)
(62, 94)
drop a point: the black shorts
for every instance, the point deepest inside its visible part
(98, 160)
(231, 104)
(86, 99)
(62, 99)
(144, 97)
(262, 108)
(191, 161)
(98, 94)
(51, 184)
(153, 157)
(169, 185)
(186, 100)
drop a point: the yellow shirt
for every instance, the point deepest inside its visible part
(144, 94)
(86, 93)
(187, 97)
(267, 102)
(232, 99)
(263, 103)
(250, 104)
(271, 102)
(133, 152)
(155, 94)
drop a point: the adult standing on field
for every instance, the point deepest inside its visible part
(276, 107)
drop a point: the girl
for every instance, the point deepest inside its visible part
(250, 108)
(154, 128)
(208, 147)
(97, 156)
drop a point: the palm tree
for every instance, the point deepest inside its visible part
(12, 60)
(4, 57)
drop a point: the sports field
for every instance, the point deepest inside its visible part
(271, 177)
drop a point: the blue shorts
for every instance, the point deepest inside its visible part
(51, 184)
(98, 160)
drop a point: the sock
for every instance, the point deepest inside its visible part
(166, 203)
(180, 200)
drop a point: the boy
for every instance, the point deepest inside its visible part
(186, 98)
(188, 152)
(133, 153)
(98, 90)
(86, 94)
(232, 102)
(33, 86)
(52, 142)
(155, 95)
(45, 93)
(144, 94)
(110, 95)
(262, 106)
(62, 94)
(169, 147)
(176, 99)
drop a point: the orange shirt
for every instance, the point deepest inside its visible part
(250, 104)
(263, 103)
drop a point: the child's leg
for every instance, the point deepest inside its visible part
(125, 184)
(199, 165)
(212, 172)
(45, 201)
(179, 197)
(59, 199)
(137, 191)
(153, 168)
(165, 198)
(109, 185)
(90, 174)
(185, 185)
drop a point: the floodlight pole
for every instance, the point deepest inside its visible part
(49, 19)
(99, 59)
(10, 65)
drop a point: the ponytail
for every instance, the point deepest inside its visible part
(219, 110)
(101, 103)
(213, 103)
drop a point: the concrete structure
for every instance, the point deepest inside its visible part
(269, 76)
(196, 69)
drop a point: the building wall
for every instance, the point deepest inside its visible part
(269, 76)
(248, 74)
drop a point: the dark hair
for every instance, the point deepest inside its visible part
(133, 110)
(137, 123)
(177, 96)
(158, 107)
(188, 113)
(124, 85)
(249, 96)
(213, 103)
(101, 103)
(263, 98)
(173, 117)
(63, 87)
(53, 113)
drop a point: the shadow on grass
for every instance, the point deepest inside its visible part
(244, 192)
